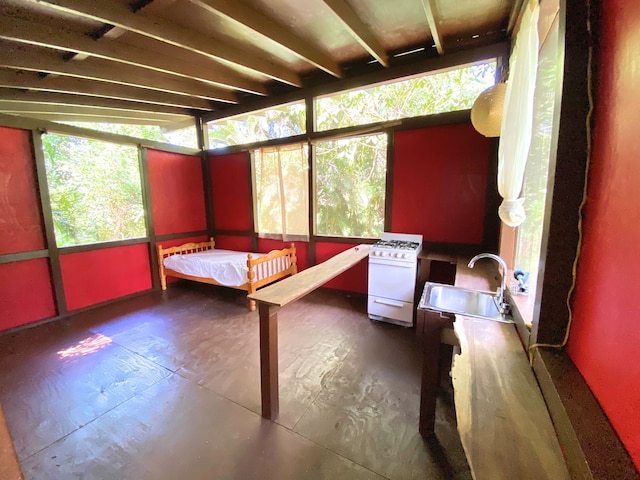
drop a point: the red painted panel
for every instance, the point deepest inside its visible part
(605, 335)
(177, 192)
(265, 245)
(439, 183)
(229, 242)
(99, 275)
(27, 294)
(230, 184)
(353, 280)
(20, 219)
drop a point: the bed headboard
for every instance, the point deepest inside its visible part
(185, 248)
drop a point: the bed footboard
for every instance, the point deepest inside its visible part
(273, 266)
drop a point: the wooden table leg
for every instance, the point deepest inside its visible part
(269, 360)
(431, 369)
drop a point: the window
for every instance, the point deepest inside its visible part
(350, 186)
(281, 192)
(534, 190)
(275, 122)
(183, 137)
(441, 92)
(95, 190)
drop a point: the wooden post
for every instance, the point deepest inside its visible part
(269, 359)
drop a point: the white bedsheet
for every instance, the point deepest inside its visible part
(224, 266)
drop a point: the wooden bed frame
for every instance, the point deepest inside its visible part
(273, 266)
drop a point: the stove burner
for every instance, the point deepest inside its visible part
(397, 244)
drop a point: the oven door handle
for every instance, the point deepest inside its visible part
(392, 263)
(390, 303)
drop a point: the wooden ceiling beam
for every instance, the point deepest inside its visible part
(361, 32)
(272, 30)
(31, 81)
(33, 33)
(153, 7)
(54, 98)
(29, 109)
(120, 15)
(431, 20)
(12, 56)
(65, 117)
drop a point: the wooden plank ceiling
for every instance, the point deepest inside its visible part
(164, 61)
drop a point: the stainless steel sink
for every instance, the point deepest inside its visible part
(473, 303)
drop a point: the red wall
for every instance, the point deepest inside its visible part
(231, 191)
(26, 294)
(20, 219)
(99, 275)
(177, 192)
(440, 182)
(353, 280)
(605, 336)
(233, 242)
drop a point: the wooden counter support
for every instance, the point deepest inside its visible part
(270, 299)
(436, 363)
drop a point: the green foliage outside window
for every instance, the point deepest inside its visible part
(350, 186)
(276, 122)
(442, 92)
(95, 190)
(183, 137)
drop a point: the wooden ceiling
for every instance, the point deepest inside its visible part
(164, 61)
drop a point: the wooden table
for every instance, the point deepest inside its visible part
(273, 297)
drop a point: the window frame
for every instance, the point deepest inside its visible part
(314, 175)
(143, 237)
(284, 236)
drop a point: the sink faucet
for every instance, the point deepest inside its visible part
(504, 307)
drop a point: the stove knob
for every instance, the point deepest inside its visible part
(397, 255)
(383, 254)
(404, 255)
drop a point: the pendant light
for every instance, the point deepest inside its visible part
(486, 113)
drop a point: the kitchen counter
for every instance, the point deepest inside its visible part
(503, 421)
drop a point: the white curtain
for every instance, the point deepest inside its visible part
(281, 192)
(517, 119)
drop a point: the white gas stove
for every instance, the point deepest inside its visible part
(393, 265)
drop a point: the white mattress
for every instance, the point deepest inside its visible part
(224, 266)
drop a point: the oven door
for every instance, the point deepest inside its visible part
(391, 279)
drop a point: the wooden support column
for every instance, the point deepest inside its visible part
(269, 360)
